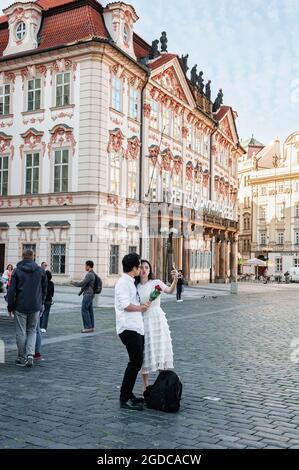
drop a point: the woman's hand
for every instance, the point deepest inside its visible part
(174, 273)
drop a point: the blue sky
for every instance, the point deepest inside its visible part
(249, 48)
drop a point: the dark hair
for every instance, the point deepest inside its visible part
(28, 254)
(49, 275)
(180, 271)
(130, 262)
(9, 265)
(150, 274)
(89, 263)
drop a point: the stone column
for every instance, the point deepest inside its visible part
(234, 260)
(222, 264)
(216, 258)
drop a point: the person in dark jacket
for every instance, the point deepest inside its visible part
(179, 287)
(48, 302)
(87, 288)
(26, 296)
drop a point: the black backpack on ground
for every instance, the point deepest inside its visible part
(97, 287)
(165, 394)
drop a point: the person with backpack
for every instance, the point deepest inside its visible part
(89, 287)
(26, 296)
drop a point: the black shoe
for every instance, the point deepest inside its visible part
(137, 400)
(130, 405)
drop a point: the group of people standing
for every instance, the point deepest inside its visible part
(142, 325)
(29, 298)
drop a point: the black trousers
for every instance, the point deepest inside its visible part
(179, 289)
(134, 343)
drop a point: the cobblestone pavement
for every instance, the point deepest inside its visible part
(233, 354)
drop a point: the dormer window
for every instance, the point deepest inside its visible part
(126, 34)
(20, 31)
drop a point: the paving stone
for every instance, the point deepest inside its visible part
(71, 401)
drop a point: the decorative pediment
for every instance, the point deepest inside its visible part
(169, 80)
(6, 144)
(115, 143)
(170, 77)
(133, 148)
(32, 140)
(61, 135)
(63, 65)
(226, 129)
(34, 71)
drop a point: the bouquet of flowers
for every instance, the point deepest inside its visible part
(155, 294)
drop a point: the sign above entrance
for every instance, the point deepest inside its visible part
(192, 201)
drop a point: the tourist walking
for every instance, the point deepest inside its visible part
(26, 296)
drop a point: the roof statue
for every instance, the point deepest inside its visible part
(164, 41)
(208, 90)
(194, 75)
(218, 101)
(154, 49)
(200, 84)
(184, 62)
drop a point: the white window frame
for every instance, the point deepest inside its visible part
(35, 90)
(4, 94)
(263, 238)
(60, 260)
(280, 238)
(63, 86)
(116, 261)
(115, 174)
(278, 265)
(2, 172)
(32, 167)
(20, 31)
(61, 164)
(132, 180)
(116, 93)
(296, 238)
(133, 103)
(155, 113)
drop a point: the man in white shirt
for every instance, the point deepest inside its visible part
(129, 327)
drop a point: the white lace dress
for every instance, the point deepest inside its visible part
(158, 353)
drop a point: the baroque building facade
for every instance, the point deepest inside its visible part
(275, 207)
(107, 147)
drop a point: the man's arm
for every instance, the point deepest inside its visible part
(11, 293)
(138, 308)
(83, 283)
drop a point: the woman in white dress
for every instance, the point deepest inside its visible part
(158, 353)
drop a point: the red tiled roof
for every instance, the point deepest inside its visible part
(162, 60)
(67, 26)
(45, 4)
(72, 26)
(222, 112)
(141, 48)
